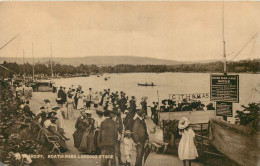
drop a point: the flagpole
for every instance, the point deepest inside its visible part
(33, 62)
(224, 42)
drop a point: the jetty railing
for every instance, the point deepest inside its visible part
(202, 140)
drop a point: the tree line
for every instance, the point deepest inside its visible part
(62, 70)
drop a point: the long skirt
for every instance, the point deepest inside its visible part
(96, 142)
(87, 144)
(70, 109)
(78, 134)
(80, 104)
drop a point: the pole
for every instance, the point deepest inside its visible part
(33, 62)
(158, 106)
(23, 68)
(224, 42)
(224, 46)
(9, 42)
(51, 62)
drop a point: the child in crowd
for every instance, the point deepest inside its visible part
(128, 145)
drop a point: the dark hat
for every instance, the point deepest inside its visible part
(54, 118)
(60, 86)
(133, 97)
(42, 107)
(51, 113)
(106, 113)
(46, 100)
(55, 108)
(100, 112)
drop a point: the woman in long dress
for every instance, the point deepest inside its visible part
(50, 125)
(87, 144)
(187, 150)
(54, 129)
(70, 108)
(80, 129)
(80, 101)
(60, 121)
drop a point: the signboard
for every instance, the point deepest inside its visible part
(224, 88)
(189, 97)
(224, 109)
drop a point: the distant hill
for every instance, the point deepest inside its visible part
(100, 60)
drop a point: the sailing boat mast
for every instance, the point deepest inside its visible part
(33, 62)
(224, 42)
(51, 63)
(23, 68)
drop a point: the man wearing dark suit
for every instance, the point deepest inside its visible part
(60, 92)
(62, 95)
(76, 99)
(115, 115)
(107, 139)
(132, 103)
(140, 136)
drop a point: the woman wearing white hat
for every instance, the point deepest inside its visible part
(187, 149)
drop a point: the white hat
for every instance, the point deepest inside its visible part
(110, 107)
(183, 123)
(128, 132)
(87, 112)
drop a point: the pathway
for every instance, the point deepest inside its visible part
(153, 159)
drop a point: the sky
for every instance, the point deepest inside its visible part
(181, 31)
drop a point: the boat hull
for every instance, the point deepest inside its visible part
(239, 143)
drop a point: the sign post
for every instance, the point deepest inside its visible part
(224, 109)
(224, 89)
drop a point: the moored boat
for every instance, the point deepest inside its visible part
(146, 84)
(45, 86)
(239, 143)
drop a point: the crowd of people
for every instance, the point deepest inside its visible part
(117, 122)
(23, 91)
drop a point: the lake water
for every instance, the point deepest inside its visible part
(167, 83)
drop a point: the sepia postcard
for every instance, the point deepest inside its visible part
(129, 83)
